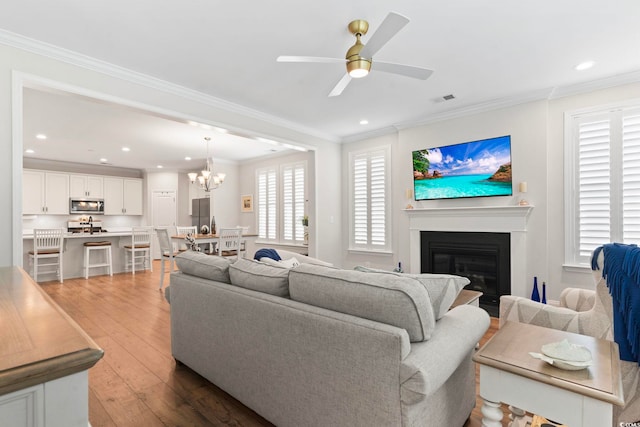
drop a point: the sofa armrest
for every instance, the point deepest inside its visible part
(430, 363)
(523, 310)
(577, 299)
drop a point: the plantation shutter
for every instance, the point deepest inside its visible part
(369, 210)
(293, 197)
(603, 195)
(631, 179)
(594, 185)
(267, 200)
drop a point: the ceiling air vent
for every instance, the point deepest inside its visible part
(444, 98)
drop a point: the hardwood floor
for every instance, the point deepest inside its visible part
(137, 382)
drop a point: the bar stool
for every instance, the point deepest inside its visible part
(97, 246)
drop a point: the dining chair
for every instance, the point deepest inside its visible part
(183, 230)
(229, 242)
(47, 244)
(167, 252)
(139, 251)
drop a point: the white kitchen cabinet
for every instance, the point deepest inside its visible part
(86, 186)
(122, 196)
(45, 193)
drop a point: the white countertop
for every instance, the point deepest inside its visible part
(87, 235)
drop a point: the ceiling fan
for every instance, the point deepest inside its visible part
(359, 56)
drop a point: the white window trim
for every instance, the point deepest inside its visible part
(573, 261)
(369, 248)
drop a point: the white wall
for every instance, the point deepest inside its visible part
(559, 276)
(20, 67)
(537, 137)
(526, 125)
(248, 187)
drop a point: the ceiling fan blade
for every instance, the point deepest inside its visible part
(310, 59)
(403, 70)
(393, 23)
(339, 87)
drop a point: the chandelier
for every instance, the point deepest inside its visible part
(207, 179)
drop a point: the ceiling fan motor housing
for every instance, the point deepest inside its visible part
(357, 66)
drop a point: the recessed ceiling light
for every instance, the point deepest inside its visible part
(585, 65)
(221, 130)
(41, 136)
(159, 166)
(103, 160)
(187, 158)
(29, 151)
(364, 122)
(126, 149)
(192, 123)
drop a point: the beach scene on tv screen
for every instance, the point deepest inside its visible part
(472, 169)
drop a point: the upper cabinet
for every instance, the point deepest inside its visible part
(86, 186)
(45, 193)
(122, 196)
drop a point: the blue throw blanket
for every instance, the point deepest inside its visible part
(267, 253)
(622, 272)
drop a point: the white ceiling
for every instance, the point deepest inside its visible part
(482, 52)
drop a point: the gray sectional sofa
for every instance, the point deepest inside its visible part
(320, 346)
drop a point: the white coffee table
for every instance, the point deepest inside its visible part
(509, 374)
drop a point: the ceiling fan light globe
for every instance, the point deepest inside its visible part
(358, 68)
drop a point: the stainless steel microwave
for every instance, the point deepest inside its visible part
(86, 206)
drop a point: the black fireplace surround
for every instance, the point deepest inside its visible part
(483, 258)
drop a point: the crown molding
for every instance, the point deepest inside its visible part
(80, 60)
(594, 85)
(496, 104)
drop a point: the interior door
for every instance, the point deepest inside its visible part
(163, 214)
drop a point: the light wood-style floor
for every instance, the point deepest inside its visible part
(137, 382)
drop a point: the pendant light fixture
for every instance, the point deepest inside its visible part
(207, 179)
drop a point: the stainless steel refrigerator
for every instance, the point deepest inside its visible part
(201, 212)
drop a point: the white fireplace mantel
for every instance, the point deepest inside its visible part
(493, 219)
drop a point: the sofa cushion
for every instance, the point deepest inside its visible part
(443, 288)
(260, 277)
(204, 266)
(394, 300)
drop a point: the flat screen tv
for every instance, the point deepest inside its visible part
(471, 169)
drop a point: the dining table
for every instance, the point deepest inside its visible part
(212, 239)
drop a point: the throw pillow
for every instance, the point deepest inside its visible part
(260, 277)
(202, 265)
(442, 288)
(283, 263)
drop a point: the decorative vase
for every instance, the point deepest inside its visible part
(213, 225)
(544, 293)
(535, 295)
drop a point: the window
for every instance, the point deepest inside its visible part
(293, 198)
(281, 203)
(267, 220)
(369, 212)
(602, 160)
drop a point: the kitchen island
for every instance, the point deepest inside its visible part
(44, 358)
(74, 252)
